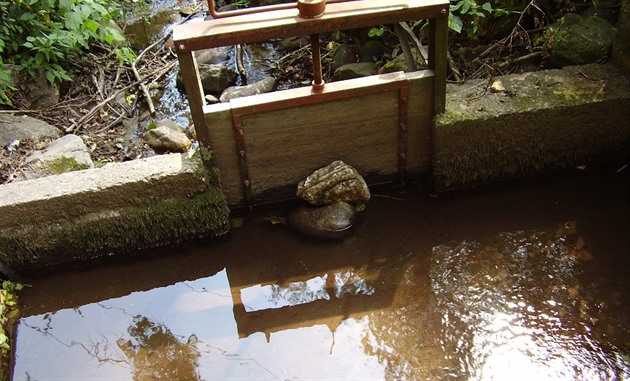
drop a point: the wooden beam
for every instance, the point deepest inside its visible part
(260, 27)
(438, 46)
(194, 92)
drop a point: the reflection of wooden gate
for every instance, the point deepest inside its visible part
(381, 124)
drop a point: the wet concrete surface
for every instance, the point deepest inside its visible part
(525, 281)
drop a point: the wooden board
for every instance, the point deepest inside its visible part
(284, 145)
(263, 26)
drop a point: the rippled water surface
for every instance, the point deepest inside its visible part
(528, 282)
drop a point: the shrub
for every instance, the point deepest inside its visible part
(48, 34)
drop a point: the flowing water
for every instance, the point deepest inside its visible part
(526, 282)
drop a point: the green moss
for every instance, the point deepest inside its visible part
(474, 151)
(62, 165)
(119, 231)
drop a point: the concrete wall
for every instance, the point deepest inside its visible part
(119, 208)
(543, 121)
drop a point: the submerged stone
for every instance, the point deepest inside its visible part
(330, 221)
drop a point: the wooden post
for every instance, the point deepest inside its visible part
(438, 46)
(194, 92)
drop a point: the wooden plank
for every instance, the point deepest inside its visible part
(287, 23)
(420, 131)
(194, 92)
(224, 153)
(285, 145)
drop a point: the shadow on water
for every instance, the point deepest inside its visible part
(526, 282)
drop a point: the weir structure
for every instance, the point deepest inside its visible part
(263, 145)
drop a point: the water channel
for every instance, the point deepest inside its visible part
(526, 281)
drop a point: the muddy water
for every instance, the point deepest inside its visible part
(525, 282)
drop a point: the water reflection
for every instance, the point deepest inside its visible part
(436, 296)
(188, 331)
(515, 309)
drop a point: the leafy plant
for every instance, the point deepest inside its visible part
(464, 14)
(48, 34)
(8, 301)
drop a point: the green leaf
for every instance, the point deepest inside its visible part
(487, 7)
(74, 20)
(50, 76)
(376, 32)
(455, 23)
(92, 25)
(466, 5)
(66, 5)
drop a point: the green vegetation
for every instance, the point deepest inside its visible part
(465, 14)
(8, 310)
(50, 34)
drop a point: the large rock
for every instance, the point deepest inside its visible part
(35, 92)
(214, 78)
(264, 86)
(14, 128)
(344, 54)
(330, 221)
(621, 48)
(355, 70)
(213, 56)
(337, 181)
(578, 40)
(65, 154)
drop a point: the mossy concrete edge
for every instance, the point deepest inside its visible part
(140, 219)
(544, 121)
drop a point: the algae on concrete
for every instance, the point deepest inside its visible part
(543, 121)
(115, 231)
(116, 209)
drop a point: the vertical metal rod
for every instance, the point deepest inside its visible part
(318, 82)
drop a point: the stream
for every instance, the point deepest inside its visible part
(526, 281)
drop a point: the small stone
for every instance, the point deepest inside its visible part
(497, 86)
(330, 221)
(337, 181)
(211, 99)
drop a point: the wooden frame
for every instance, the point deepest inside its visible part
(245, 117)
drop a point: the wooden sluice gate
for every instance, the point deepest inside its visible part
(263, 145)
